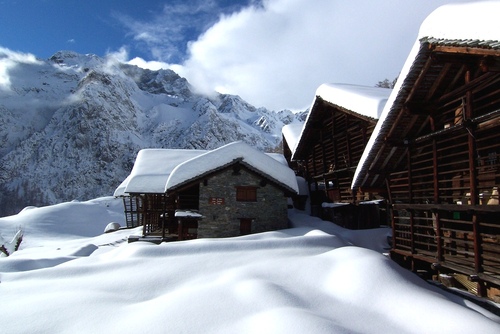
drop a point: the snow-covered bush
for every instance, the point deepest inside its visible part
(7, 248)
(111, 227)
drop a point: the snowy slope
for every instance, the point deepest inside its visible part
(315, 277)
(71, 125)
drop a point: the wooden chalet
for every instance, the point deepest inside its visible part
(331, 142)
(187, 194)
(436, 149)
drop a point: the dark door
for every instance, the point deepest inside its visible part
(245, 226)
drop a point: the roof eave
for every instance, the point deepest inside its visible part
(398, 95)
(401, 92)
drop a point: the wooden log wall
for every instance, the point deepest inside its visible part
(339, 143)
(154, 210)
(445, 202)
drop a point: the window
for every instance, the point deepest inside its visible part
(246, 194)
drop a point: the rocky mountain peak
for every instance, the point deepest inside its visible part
(72, 125)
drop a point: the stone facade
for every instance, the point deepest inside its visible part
(223, 213)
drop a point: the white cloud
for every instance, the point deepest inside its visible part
(275, 54)
(9, 60)
(121, 55)
(150, 65)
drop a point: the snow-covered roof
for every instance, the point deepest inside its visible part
(469, 21)
(224, 156)
(291, 133)
(187, 214)
(364, 101)
(152, 168)
(120, 190)
(471, 24)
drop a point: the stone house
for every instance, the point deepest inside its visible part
(231, 191)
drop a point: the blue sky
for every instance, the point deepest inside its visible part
(43, 27)
(273, 53)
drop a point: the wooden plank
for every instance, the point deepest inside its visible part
(448, 207)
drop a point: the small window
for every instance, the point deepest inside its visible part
(246, 194)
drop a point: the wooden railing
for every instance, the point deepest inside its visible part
(133, 215)
(464, 238)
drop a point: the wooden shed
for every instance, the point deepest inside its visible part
(143, 192)
(338, 126)
(436, 148)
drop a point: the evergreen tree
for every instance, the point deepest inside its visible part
(386, 83)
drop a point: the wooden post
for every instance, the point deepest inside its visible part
(393, 220)
(144, 220)
(180, 232)
(469, 114)
(334, 141)
(134, 212)
(323, 160)
(471, 144)
(410, 200)
(348, 142)
(314, 172)
(323, 153)
(436, 218)
(163, 215)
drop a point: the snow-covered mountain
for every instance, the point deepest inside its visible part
(71, 125)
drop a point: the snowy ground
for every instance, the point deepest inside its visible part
(68, 277)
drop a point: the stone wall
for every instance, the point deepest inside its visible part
(222, 214)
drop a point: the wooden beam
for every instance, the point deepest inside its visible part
(483, 80)
(466, 50)
(420, 78)
(439, 80)
(395, 142)
(458, 76)
(400, 114)
(420, 108)
(471, 209)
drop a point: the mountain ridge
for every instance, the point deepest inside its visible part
(71, 125)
